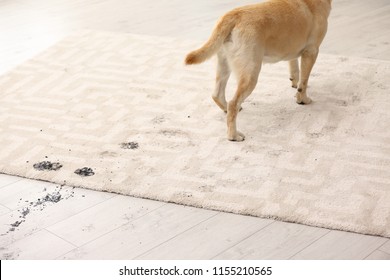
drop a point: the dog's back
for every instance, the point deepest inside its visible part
(282, 27)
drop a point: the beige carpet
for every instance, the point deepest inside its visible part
(326, 164)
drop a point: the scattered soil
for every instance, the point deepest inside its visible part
(84, 172)
(8, 256)
(47, 165)
(24, 212)
(50, 198)
(130, 145)
(16, 224)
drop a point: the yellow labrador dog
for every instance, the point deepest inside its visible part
(272, 31)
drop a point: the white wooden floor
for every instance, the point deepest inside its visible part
(93, 225)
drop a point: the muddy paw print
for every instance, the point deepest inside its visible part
(84, 172)
(47, 165)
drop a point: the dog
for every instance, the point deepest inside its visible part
(269, 32)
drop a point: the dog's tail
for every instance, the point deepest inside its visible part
(222, 30)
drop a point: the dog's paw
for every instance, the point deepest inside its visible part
(303, 100)
(238, 137)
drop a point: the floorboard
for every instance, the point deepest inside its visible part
(338, 245)
(103, 218)
(378, 255)
(277, 241)
(139, 236)
(208, 239)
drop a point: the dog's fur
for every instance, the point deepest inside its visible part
(272, 31)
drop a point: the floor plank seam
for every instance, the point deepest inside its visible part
(377, 249)
(130, 221)
(314, 241)
(140, 255)
(67, 241)
(242, 240)
(7, 208)
(2, 186)
(78, 213)
(387, 242)
(380, 250)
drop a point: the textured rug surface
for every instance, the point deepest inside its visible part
(126, 107)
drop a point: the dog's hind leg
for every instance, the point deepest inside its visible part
(294, 72)
(308, 59)
(223, 74)
(247, 74)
